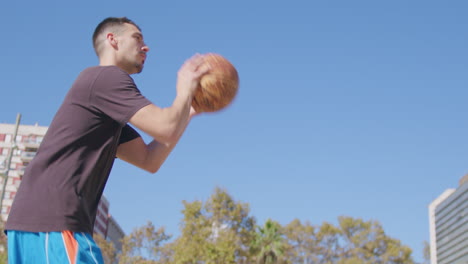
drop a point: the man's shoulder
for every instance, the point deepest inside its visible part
(103, 75)
(106, 70)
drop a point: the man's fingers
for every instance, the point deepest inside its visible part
(204, 68)
(194, 62)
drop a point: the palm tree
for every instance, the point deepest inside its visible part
(268, 245)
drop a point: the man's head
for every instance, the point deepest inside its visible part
(118, 41)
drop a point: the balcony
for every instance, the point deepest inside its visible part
(27, 155)
(20, 170)
(32, 143)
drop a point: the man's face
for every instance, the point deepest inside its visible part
(132, 49)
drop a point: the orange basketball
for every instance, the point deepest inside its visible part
(218, 87)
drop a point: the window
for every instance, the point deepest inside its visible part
(8, 138)
(16, 182)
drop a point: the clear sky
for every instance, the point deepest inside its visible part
(353, 108)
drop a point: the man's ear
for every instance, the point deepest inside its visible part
(112, 40)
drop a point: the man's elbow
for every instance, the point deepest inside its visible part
(152, 169)
(151, 166)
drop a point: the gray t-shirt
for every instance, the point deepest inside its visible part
(63, 184)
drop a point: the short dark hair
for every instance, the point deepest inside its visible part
(108, 23)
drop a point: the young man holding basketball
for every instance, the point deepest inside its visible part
(52, 216)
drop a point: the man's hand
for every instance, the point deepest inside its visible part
(188, 77)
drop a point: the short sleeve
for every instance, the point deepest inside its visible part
(128, 134)
(115, 94)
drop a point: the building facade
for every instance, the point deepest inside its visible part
(448, 223)
(115, 233)
(15, 155)
(102, 217)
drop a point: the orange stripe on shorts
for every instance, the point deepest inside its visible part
(71, 245)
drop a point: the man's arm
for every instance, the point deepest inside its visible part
(165, 125)
(148, 157)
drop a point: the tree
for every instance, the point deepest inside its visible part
(3, 244)
(107, 249)
(217, 231)
(367, 241)
(302, 242)
(145, 245)
(269, 244)
(427, 253)
(221, 231)
(328, 244)
(352, 241)
(189, 247)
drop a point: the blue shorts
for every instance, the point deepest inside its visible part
(52, 248)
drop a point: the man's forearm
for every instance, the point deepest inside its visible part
(181, 120)
(157, 152)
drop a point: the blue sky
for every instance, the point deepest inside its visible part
(351, 108)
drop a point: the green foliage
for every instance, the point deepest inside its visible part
(427, 253)
(221, 231)
(107, 249)
(145, 246)
(351, 241)
(218, 231)
(302, 242)
(268, 245)
(3, 244)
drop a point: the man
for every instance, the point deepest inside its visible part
(52, 217)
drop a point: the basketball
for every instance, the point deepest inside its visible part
(218, 87)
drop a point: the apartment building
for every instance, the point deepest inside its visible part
(15, 155)
(448, 223)
(115, 233)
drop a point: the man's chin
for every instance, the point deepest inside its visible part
(139, 68)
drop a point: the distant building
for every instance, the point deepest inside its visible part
(115, 233)
(19, 153)
(448, 223)
(102, 217)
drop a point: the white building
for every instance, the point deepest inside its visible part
(448, 223)
(114, 233)
(18, 153)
